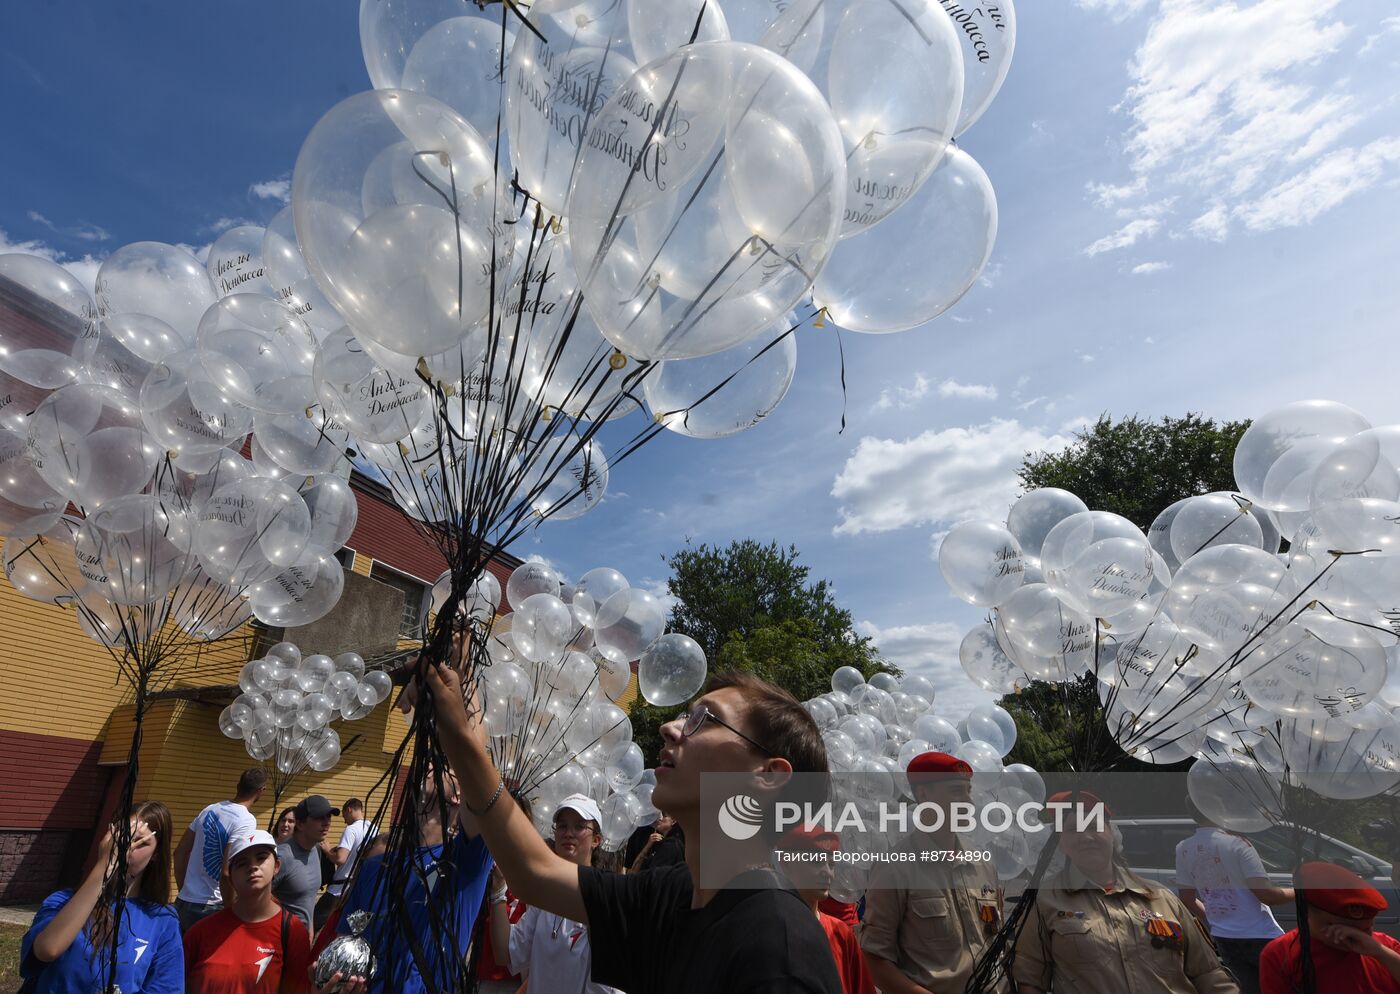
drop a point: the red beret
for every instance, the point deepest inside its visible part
(938, 762)
(1087, 799)
(810, 836)
(1336, 889)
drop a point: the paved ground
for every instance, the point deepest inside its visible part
(18, 914)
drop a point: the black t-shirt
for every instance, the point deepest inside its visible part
(635, 844)
(646, 938)
(668, 852)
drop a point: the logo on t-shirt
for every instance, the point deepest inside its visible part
(141, 945)
(215, 841)
(265, 962)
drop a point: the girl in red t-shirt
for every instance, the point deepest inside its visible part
(253, 945)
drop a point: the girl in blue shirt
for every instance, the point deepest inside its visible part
(68, 948)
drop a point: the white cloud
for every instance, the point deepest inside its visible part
(200, 252)
(1332, 179)
(85, 269)
(1111, 194)
(967, 391)
(1213, 225)
(659, 590)
(1240, 109)
(930, 650)
(224, 223)
(902, 397)
(1390, 26)
(1086, 358)
(939, 476)
(272, 189)
(83, 231)
(1143, 268)
(1125, 236)
(1117, 9)
(1149, 340)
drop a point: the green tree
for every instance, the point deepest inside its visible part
(1138, 468)
(752, 607)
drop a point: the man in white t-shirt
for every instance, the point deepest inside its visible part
(205, 841)
(1224, 872)
(358, 831)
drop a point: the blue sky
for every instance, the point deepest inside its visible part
(1198, 202)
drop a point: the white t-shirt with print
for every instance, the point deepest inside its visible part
(213, 828)
(351, 840)
(552, 952)
(1218, 865)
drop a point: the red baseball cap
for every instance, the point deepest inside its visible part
(1336, 889)
(932, 766)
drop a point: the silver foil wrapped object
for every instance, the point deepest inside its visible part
(349, 955)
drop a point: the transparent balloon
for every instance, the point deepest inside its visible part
(981, 562)
(189, 407)
(671, 670)
(90, 445)
(894, 78)
(921, 260)
(409, 267)
(700, 259)
(235, 262)
(250, 530)
(70, 318)
(160, 280)
(1278, 455)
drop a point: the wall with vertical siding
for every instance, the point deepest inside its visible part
(66, 722)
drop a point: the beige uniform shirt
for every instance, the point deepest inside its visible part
(1135, 939)
(934, 935)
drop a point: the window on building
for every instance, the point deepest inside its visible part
(415, 596)
(346, 556)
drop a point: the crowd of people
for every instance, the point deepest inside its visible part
(255, 908)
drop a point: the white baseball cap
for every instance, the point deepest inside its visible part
(586, 807)
(241, 842)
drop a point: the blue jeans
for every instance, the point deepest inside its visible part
(189, 913)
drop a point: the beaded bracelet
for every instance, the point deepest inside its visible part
(489, 804)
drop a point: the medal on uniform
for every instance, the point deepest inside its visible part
(1164, 933)
(991, 918)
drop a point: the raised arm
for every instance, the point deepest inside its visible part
(58, 934)
(537, 876)
(182, 858)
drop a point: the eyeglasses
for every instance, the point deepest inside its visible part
(562, 829)
(701, 714)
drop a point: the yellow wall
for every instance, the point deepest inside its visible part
(54, 680)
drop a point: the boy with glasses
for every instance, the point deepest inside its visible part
(663, 931)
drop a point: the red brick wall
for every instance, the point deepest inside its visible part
(51, 796)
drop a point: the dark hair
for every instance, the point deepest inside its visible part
(1196, 814)
(253, 780)
(354, 804)
(278, 823)
(154, 887)
(777, 720)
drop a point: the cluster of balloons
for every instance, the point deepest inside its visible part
(1205, 638)
(702, 166)
(876, 728)
(289, 701)
(162, 464)
(559, 663)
